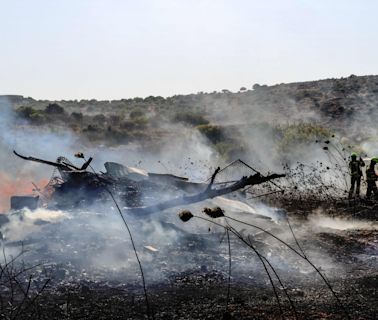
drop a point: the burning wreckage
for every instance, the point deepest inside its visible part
(137, 190)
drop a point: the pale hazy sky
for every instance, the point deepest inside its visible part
(111, 49)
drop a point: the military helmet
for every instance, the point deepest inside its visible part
(354, 155)
(374, 159)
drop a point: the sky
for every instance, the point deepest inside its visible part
(114, 49)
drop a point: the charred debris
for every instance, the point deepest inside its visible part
(137, 190)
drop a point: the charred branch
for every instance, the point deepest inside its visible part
(63, 165)
(209, 193)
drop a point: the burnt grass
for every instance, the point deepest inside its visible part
(202, 293)
(204, 297)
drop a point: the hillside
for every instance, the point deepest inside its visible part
(346, 106)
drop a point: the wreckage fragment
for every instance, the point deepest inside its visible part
(134, 187)
(151, 249)
(20, 202)
(208, 193)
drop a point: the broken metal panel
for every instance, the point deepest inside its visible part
(138, 190)
(118, 170)
(20, 202)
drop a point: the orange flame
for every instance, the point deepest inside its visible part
(10, 186)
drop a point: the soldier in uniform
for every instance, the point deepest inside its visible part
(371, 178)
(355, 174)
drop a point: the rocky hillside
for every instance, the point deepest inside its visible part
(347, 106)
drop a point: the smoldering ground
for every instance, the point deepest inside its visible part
(93, 245)
(90, 251)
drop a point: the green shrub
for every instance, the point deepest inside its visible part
(77, 116)
(136, 113)
(25, 112)
(114, 119)
(194, 119)
(99, 119)
(31, 114)
(294, 135)
(54, 108)
(214, 133)
(127, 125)
(38, 117)
(92, 128)
(117, 136)
(136, 123)
(229, 150)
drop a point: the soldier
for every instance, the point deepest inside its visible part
(371, 178)
(355, 174)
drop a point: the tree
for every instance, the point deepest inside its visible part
(137, 113)
(99, 119)
(31, 114)
(115, 119)
(191, 118)
(214, 133)
(54, 108)
(77, 116)
(25, 111)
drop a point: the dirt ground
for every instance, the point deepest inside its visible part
(201, 293)
(208, 301)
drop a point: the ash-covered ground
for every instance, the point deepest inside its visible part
(85, 267)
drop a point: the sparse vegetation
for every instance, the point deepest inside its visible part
(191, 118)
(331, 102)
(295, 135)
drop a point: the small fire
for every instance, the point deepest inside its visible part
(10, 186)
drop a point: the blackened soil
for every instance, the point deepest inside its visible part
(201, 296)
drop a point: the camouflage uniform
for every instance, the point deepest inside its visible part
(355, 175)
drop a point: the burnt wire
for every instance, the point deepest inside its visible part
(331, 155)
(232, 230)
(282, 286)
(150, 315)
(295, 238)
(342, 156)
(303, 257)
(287, 245)
(273, 270)
(221, 170)
(266, 271)
(295, 251)
(229, 268)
